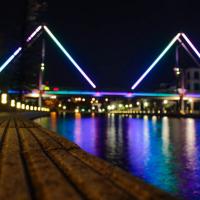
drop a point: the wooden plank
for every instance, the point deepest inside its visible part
(29, 124)
(91, 183)
(122, 179)
(1, 134)
(1, 120)
(59, 139)
(12, 123)
(47, 142)
(19, 123)
(79, 173)
(4, 123)
(13, 184)
(49, 183)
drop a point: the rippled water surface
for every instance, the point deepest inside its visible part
(163, 151)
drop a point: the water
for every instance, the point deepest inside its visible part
(164, 152)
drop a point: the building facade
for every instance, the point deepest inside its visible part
(192, 79)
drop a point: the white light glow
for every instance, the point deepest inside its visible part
(4, 98)
(23, 106)
(18, 105)
(191, 45)
(165, 101)
(10, 59)
(146, 104)
(27, 107)
(69, 56)
(156, 61)
(34, 33)
(12, 103)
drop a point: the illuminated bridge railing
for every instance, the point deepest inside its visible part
(109, 93)
(106, 93)
(123, 94)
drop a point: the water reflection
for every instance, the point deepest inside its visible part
(54, 121)
(77, 129)
(146, 133)
(164, 152)
(165, 135)
(191, 143)
(110, 137)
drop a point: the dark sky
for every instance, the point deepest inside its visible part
(113, 42)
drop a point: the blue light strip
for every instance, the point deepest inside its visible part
(103, 93)
(106, 93)
(10, 59)
(69, 56)
(32, 35)
(156, 61)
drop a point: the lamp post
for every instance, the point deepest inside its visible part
(42, 68)
(180, 88)
(179, 73)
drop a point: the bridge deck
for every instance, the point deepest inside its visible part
(38, 164)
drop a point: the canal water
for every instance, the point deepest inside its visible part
(164, 152)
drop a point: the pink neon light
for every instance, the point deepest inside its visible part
(34, 33)
(191, 45)
(56, 89)
(4, 65)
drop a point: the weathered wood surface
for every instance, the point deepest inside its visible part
(39, 164)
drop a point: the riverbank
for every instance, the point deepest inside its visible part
(173, 115)
(39, 164)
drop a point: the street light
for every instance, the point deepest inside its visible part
(12, 103)
(146, 104)
(177, 71)
(165, 102)
(23, 106)
(4, 98)
(18, 105)
(137, 103)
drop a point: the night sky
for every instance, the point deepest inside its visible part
(113, 42)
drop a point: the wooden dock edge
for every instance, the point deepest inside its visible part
(36, 163)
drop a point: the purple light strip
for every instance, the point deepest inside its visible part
(188, 51)
(2, 67)
(191, 45)
(193, 95)
(34, 33)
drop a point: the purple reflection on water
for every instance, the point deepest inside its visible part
(163, 151)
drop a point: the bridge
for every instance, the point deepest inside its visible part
(180, 38)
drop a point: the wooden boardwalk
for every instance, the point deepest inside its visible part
(38, 164)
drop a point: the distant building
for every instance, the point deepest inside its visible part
(192, 79)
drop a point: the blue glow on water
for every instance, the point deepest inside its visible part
(163, 151)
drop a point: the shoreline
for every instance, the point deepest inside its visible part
(131, 185)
